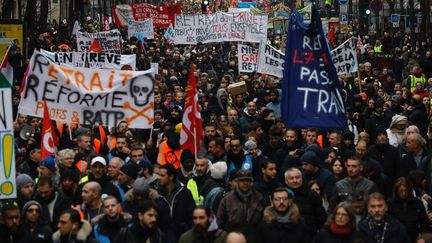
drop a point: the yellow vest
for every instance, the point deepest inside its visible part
(84, 179)
(415, 80)
(193, 188)
(378, 49)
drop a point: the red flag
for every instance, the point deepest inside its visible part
(49, 138)
(191, 133)
(95, 46)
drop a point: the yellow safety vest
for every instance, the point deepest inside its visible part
(415, 80)
(378, 49)
(193, 188)
(84, 180)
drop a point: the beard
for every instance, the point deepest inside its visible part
(201, 229)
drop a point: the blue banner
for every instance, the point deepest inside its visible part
(312, 95)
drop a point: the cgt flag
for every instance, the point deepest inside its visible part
(312, 95)
(49, 138)
(191, 133)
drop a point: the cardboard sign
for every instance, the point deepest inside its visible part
(88, 96)
(247, 58)
(345, 58)
(110, 41)
(270, 60)
(93, 59)
(142, 29)
(219, 27)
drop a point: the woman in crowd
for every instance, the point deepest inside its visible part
(341, 226)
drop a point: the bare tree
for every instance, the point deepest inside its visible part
(7, 9)
(30, 17)
(43, 18)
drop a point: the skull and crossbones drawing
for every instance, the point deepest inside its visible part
(141, 90)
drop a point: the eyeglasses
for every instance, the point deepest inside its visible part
(283, 199)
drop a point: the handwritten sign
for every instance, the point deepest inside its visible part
(270, 60)
(7, 145)
(345, 58)
(142, 29)
(110, 41)
(88, 96)
(94, 59)
(219, 27)
(247, 58)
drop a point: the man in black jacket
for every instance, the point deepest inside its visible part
(175, 204)
(52, 201)
(309, 203)
(145, 227)
(11, 229)
(32, 223)
(282, 220)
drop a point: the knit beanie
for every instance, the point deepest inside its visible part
(250, 145)
(28, 204)
(218, 170)
(310, 157)
(22, 180)
(49, 162)
(141, 186)
(130, 169)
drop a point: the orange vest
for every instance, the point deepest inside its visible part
(167, 155)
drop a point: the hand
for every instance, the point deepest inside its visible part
(294, 153)
(426, 197)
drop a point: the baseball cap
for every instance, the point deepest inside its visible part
(99, 159)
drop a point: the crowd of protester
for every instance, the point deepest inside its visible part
(253, 180)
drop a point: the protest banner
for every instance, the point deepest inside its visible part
(311, 92)
(88, 96)
(270, 60)
(162, 16)
(144, 27)
(345, 58)
(94, 59)
(219, 27)
(110, 41)
(247, 58)
(7, 144)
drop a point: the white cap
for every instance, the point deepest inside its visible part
(99, 159)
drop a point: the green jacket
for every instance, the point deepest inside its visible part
(213, 235)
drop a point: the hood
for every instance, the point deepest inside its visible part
(126, 217)
(269, 216)
(246, 112)
(129, 197)
(82, 235)
(213, 225)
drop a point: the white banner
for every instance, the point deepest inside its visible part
(345, 58)
(7, 145)
(94, 59)
(110, 41)
(88, 96)
(219, 27)
(270, 60)
(247, 58)
(143, 28)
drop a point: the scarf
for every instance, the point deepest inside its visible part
(245, 197)
(340, 230)
(283, 217)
